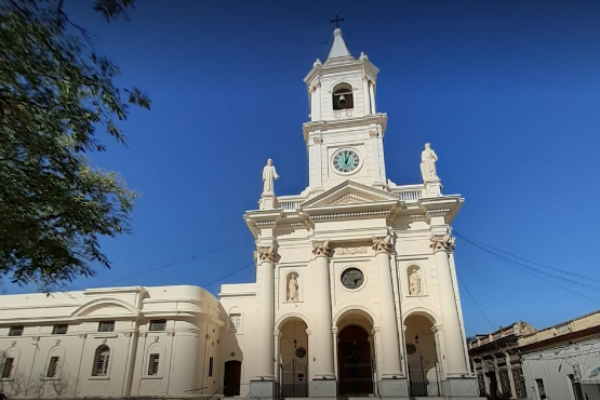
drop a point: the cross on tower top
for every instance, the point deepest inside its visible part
(337, 20)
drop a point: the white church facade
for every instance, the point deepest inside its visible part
(355, 295)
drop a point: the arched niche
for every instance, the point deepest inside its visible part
(293, 292)
(154, 360)
(342, 96)
(415, 279)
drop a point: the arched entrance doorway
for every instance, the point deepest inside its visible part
(293, 358)
(421, 351)
(232, 378)
(355, 355)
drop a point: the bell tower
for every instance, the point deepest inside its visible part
(345, 133)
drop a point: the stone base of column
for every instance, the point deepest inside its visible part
(461, 388)
(322, 388)
(393, 388)
(263, 390)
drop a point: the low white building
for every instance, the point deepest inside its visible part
(563, 362)
(114, 342)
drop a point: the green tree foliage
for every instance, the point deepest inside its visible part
(56, 96)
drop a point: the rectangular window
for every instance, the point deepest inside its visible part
(541, 389)
(153, 364)
(158, 325)
(7, 367)
(211, 362)
(52, 367)
(236, 322)
(106, 326)
(577, 390)
(16, 330)
(60, 329)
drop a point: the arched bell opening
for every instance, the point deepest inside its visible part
(355, 355)
(342, 97)
(422, 356)
(293, 358)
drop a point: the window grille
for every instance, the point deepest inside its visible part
(52, 367)
(101, 359)
(16, 330)
(60, 329)
(7, 367)
(236, 322)
(519, 382)
(106, 326)
(158, 325)
(153, 364)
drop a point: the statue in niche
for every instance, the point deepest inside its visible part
(415, 283)
(269, 174)
(293, 288)
(428, 160)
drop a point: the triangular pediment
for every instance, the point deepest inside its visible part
(349, 193)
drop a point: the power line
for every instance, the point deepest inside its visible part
(229, 275)
(476, 304)
(520, 266)
(526, 260)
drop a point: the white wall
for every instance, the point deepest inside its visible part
(553, 366)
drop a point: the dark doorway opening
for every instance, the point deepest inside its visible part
(232, 380)
(355, 363)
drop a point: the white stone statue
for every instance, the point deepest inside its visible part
(269, 174)
(293, 288)
(415, 283)
(428, 159)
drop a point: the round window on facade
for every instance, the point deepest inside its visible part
(411, 348)
(352, 278)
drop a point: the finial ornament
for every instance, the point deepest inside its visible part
(428, 160)
(337, 21)
(443, 242)
(317, 63)
(269, 174)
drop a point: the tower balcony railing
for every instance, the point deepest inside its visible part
(408, 192)
(404, 193)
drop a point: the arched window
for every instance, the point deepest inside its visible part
(342, 97)
(101, 359)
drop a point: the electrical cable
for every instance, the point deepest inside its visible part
(229, 275)
(525, 259)
(475, 302)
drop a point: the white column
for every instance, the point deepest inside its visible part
(366, 95)
(389, 326)
(264, 312)
(372, 96)
(324, 337)
(454, 342)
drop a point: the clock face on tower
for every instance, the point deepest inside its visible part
(346, 160)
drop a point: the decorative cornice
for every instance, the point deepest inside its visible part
(373, 134)
(317, 140)
(349, 215)
(382, 244)
(321, 248)
(438, 212)
(442, 243)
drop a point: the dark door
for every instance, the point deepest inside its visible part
(233, 374)
(355, 364)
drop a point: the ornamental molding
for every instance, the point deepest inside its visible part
(438, 211)
(349, 198)
(373, 134)
(346, 216)
(382, 244)
(317, 140)
(321, 248)
(346, 112)
(443, 242)
(345, 250)
(265, 253)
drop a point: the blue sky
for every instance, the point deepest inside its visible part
(507, 92)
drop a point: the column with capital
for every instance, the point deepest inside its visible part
(263, 383)
(458, 379)
(325, 384)
(391, 383)
(366, 94)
